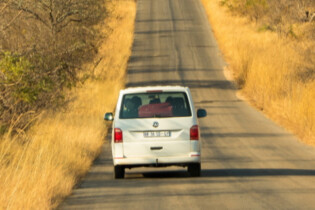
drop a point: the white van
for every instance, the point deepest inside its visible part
(155, 127)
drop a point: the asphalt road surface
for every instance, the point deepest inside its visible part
(248, 162)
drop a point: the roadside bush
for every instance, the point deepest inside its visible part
(290, 19)
(43, 46)
(255, 9)
(271, 58)
(281, 16)
(39, 167)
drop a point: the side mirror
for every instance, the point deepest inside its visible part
(109, 116)
(201, 113)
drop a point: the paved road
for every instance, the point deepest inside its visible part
(248, 162)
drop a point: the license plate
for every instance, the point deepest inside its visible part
(157, 134)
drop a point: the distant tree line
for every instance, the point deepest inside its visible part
(276, 15)
(43, 45)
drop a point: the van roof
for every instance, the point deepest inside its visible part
(154, 88)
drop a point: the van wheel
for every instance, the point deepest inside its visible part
(119, 172)
(194, 169)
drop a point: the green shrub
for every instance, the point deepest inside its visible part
(16, 78)
(21, 86)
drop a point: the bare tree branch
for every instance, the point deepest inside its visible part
(5, 6)
(10, 23)
(35, 15)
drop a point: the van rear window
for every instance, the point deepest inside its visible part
(155, 104)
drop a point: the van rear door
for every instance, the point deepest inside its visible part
(141, 138)
(155, 124)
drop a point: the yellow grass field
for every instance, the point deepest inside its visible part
(39, 168)
(267, 68)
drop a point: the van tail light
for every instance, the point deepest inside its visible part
(194, 132)
(118, 135)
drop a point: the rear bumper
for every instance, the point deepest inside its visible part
(156, 161)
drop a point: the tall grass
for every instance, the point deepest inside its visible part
(268, 69)
(39, 168)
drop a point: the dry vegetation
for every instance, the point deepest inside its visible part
(269, 45)
(43, 45)
(39, 167)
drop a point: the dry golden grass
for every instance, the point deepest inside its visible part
(268, 70)
(40, 168)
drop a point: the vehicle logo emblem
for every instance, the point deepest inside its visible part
(155, 124)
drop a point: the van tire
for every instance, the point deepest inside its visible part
(194, 169)
(119, 172)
